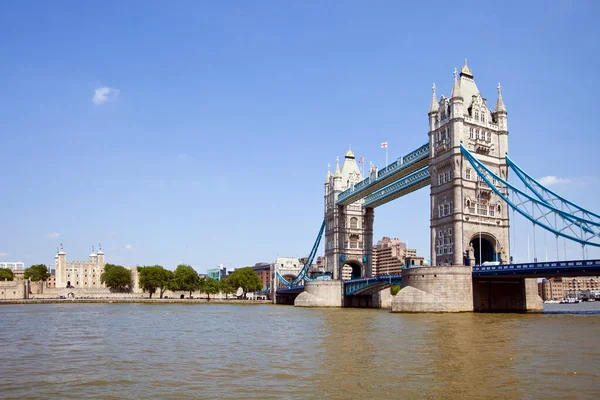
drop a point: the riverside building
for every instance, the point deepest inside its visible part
(79, 274)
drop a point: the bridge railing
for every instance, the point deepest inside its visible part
(538, 265)
(400, 164)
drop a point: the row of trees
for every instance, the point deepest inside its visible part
(185, 278)
(156, 278)
(35, 273)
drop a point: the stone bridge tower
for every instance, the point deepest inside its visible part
(469, 223)
(348, 229)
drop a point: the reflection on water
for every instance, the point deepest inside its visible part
(261, 351)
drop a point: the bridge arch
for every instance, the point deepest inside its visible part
(355, 267)
(483, 244)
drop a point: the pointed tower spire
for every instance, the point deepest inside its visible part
(337, 173)
(328, 172)
(433, 108)
(465, 70)
(456, 87)
(500, 103)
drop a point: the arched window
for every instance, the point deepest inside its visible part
(353, 223)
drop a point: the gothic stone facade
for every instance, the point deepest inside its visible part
(348, 229)
(469, 223)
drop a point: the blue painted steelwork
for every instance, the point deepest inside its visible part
(545, 194)
(370, 285)
(540, 269)
(301, 277)
(399, 168)
(404, 186)
(540, 212)
(266, 290)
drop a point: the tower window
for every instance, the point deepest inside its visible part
(468, 174)
(353, 223)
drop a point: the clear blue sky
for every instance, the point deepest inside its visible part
(210, 140)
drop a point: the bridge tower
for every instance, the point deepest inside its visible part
(469, 223)
(348, 229)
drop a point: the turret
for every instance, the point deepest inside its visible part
(100, 256)
(456, 99)
(433, 109)
(93, 257)
(337, 177)
(502, 120)
(501, 114)
(60, 262)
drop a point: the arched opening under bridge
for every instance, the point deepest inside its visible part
(483, 248)
(352, 270)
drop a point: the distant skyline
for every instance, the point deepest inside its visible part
(200, 132)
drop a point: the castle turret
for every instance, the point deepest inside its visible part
(433, 109)
(501, 114)
(337, 177)
(502, 120)
(100, 256)
(61, 265)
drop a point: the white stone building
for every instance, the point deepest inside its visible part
(348, 229)
(79, 274)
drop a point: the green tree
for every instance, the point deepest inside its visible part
(210, 286)
(394, 290)
(155, 277)
(247, 279)
(37, 272)
(6, 274)
(185, 278)
(116, 277)
(226, 287)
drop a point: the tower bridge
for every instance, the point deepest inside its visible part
(465, 163)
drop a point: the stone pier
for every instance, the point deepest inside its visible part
(321, 294)
(435, 289)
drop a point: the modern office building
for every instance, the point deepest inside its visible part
(389, 256)
(13, 266)
(218, 273)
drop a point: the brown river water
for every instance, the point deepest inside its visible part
(220, 351)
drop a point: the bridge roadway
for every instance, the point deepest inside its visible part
(401, 168)
(539, 270)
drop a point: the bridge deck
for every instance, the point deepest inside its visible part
(540, 269)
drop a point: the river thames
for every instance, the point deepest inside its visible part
(133, 351)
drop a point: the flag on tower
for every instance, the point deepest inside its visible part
(383, 145)
(361, 160)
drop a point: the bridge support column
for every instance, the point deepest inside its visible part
(321, 294)
(368, 241)
(506, 295)
(435, 289)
